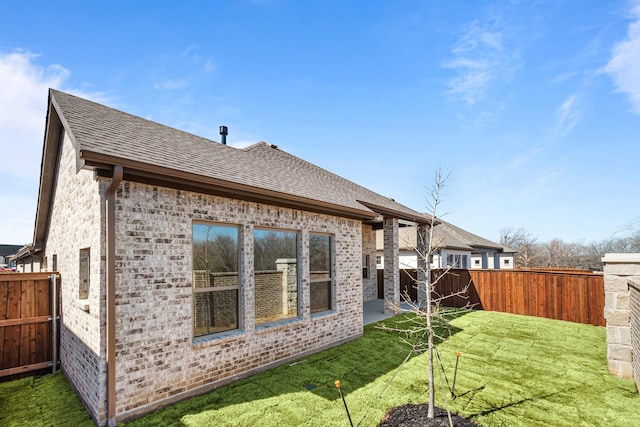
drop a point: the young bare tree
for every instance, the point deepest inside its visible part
(430, 319)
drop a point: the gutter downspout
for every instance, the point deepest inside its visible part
(111, 293)
(54, 324)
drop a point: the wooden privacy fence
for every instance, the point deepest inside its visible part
(28, 332)
(575, 297)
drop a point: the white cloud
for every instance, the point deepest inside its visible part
(624, 66)
(23, 107)
(567, 115)
(479, 60)
(171, 84)
(539, 187)
(521, 160)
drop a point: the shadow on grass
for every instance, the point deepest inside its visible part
(357, 364)
(497, 408)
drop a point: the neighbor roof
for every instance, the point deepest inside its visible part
(158, 154)
(456, 237)
(8, 250)
(447, 235)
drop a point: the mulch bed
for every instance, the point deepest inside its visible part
(416, 416)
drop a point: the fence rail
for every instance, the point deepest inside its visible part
(26, 323)
(572, 296)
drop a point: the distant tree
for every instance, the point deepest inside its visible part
(215, 252)
(524, 243)
(272, 245)
(558, 253)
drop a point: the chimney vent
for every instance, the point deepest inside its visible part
(223, 135)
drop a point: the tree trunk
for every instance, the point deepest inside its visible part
(432, 400)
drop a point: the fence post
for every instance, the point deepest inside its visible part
(54, 324)
(618, 270)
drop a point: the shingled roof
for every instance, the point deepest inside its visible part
(454, 237)
(8, 250)
(447, 235)
(155, 153)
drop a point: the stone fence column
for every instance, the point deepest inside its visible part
(289, 269)
(619, 271)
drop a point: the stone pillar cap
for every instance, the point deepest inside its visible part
(621, 258)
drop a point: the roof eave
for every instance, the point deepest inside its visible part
(48, 167)
(414, 217)
(153, 174)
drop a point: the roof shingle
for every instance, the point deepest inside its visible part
(99, 130)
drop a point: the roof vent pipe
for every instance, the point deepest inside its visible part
(223, 135)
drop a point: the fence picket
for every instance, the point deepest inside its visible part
(563, 295)
(25, 325)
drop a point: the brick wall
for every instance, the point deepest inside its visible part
(158, 360)
(217, 308)
(76, 223)
(268, 290)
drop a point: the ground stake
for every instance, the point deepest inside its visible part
(344, 401)
(455, 372)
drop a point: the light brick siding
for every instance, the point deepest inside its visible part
(370, 285)
(634, 291)
(76, 223)
(157, 358)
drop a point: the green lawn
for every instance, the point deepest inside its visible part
(514, 371)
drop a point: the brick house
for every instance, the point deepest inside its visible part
(187, 264)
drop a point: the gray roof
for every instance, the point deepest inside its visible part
(447, 235)
(455, 237)
(8, 250)
(104, 137)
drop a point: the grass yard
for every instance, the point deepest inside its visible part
(514, 371)
(43, 401)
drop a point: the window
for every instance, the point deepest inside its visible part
(275, 259)
(365, 266)
(84, 274)
(320, 272)
(54, 262)
(506, 262)
(215, 278)
(477, 262)
(457, 261)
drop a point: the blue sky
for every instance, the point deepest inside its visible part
(533, 107)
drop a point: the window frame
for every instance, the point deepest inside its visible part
(84, 273)
(332, 275)
(366, 259)
(298, 257)
(213, 289)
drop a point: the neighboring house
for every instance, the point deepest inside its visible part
(28, 259)
(454, 246)
(186, 264)
(6, 253)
